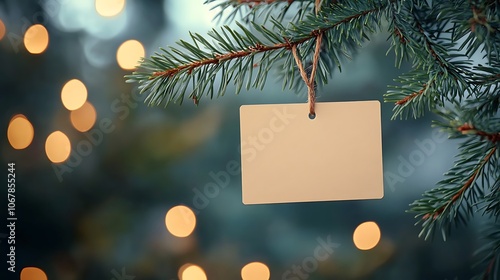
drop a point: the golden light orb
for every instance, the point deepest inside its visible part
(20, 132)
(36, 39)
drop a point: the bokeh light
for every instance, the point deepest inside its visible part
(2, 29)
(57, 147)
(74, 94)
(182, 268)
(129, 53)
(83, 118)
(109, 8)
(20, 132)
(366, 236)
(193, 272)
(36, 39)
(255, 271)
(180, 221)
(32, 273)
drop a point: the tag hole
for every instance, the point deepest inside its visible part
(312, 116)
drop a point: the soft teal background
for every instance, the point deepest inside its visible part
(106, 212)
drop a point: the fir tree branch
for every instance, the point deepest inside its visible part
(435, 214)
(455, 197)
(413, 95)
(442, 207)
(430, 48)
(477, 25)
(257, 48)
(438, 73)
(167, 75)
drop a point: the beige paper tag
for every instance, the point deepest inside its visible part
(288, 157)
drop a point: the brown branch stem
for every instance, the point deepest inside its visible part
(469, 129)
(412, 96)
(222, 57)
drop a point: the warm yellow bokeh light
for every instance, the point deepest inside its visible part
(83, 118)
(32, 273)
(366, 236)
(2, 29)
(255, 271)
(57, 147)
(182, 268)
(74, 94)
(129, 54)
(193, 272)
(109, 8)
(36, 39)
(180, 221)
(20, 132)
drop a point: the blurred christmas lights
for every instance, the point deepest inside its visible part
(109, 8)
(83, 118)
(2, 30)
(193, 272)
(366, 236)
(74, 94)
(32, 273)
(57, 147)
(36, 39)
(20, 132)
(129, 53)
(180, 221)
(255, 271)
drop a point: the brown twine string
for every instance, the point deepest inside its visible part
(317, 5)
(309, 80)
(311, 100)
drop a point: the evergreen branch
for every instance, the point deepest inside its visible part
(438, 73)
(398, 25)
(478, 26)
(218, 58)
(454, 198)
(443, 206)
(459, 194)
(446, 68)
(430, 48)
(414, 94)
(167, 75)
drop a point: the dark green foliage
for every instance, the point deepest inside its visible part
(441, 39)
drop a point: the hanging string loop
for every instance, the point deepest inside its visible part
(309, 79)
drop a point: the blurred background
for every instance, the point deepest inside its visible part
(97, 170)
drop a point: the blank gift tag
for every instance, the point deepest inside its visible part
(288, 157)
